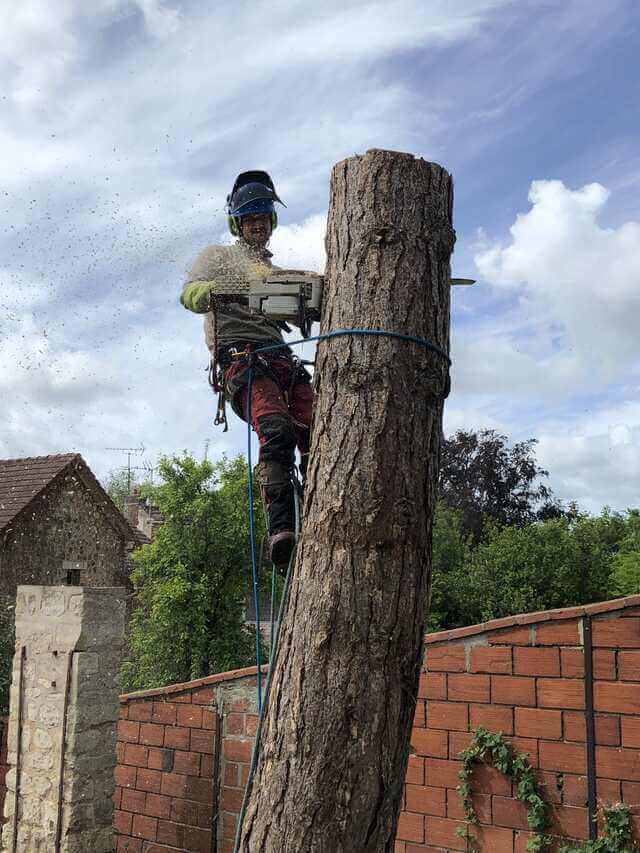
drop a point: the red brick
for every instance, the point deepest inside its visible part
(618, 697)
(497, 839)
(203, 695)
(495, 718)
(133, 801)
(158, 806)
(151, 734)
(229, 824)
(122, 821)
(183, 698)
(469, 688)
(528, 746)
(448, 658)
(513, 690)
(458, 742)
(125, 776)
(171, 833)
(161, 759)
(189, 715)
(206, 765)
(607, 728)
(415, 770)
(144, 827)
(488, 780)
(140, 710)
(231, 773)
(448, 715)
(149, 780)
(536, 661)
(617, 633)
(183, 811)
(493, 659)
(550, 785)
(237, 750)
(570, 821)
(442, 774)
(518, 636)
(613, 763)
(572, 663)
(251, 721)
(536, 722)
(136, 755)
(560, 693)
(630, 794)
(455, 809)
(561, 633)
(509, 812)
(234, 724)
(629, 666)
(232, 799)
(431, 742)
(410, 827)
(174, 785)
(209, 719)
(433, 685)
(244, 774)
(610, 790)
(178, 737)
(426, 800)
(120, 745)
(441, 832)
(164, 713)
(128, 730)
(574, 790)
(130, 845)
(186, 762)
(197, 840)
(117, 797)
(419, 716)
(152, 847)
(631, 731)
(563, 757)
(200, 790)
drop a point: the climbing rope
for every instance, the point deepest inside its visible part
(337, 333)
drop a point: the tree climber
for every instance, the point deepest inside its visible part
(281, 396)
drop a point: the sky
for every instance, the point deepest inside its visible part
(123, 124)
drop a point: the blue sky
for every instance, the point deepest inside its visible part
(123, 127)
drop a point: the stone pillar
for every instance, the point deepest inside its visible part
(62, 727)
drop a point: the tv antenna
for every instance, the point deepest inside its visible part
(130, 451)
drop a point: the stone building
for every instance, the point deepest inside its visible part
(59, 526)
(142, 515)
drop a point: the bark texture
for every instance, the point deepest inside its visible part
(335, 738)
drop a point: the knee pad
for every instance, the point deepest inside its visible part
(278, 438)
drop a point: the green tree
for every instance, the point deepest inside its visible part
(483, 477)
(625, 569)
(451, 557)
(119, 485)
(556, 563)
(192, 580)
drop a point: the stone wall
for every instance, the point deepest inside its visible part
(64, 708)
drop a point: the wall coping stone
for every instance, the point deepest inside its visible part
(217, 678)
(531, 618)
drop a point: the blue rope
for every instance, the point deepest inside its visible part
(337, 333)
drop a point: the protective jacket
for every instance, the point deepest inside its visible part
(234, 322)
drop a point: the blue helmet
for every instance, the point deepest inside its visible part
(253, 192)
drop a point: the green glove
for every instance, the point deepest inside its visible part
(196, 296)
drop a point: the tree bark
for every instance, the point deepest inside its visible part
(335, 738)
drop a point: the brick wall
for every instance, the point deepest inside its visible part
(525, 677)
(184, 750)
(183, 760)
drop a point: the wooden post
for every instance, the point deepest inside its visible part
(335, 738)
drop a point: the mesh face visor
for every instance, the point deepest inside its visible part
(248, 195)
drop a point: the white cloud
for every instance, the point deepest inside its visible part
(568, 271)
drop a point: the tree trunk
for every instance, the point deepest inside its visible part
(335, 738)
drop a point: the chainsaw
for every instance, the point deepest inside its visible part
(292, 296)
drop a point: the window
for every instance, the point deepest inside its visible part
(73, 577)
(72, 572)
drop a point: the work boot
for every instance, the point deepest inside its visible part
(281, 547)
